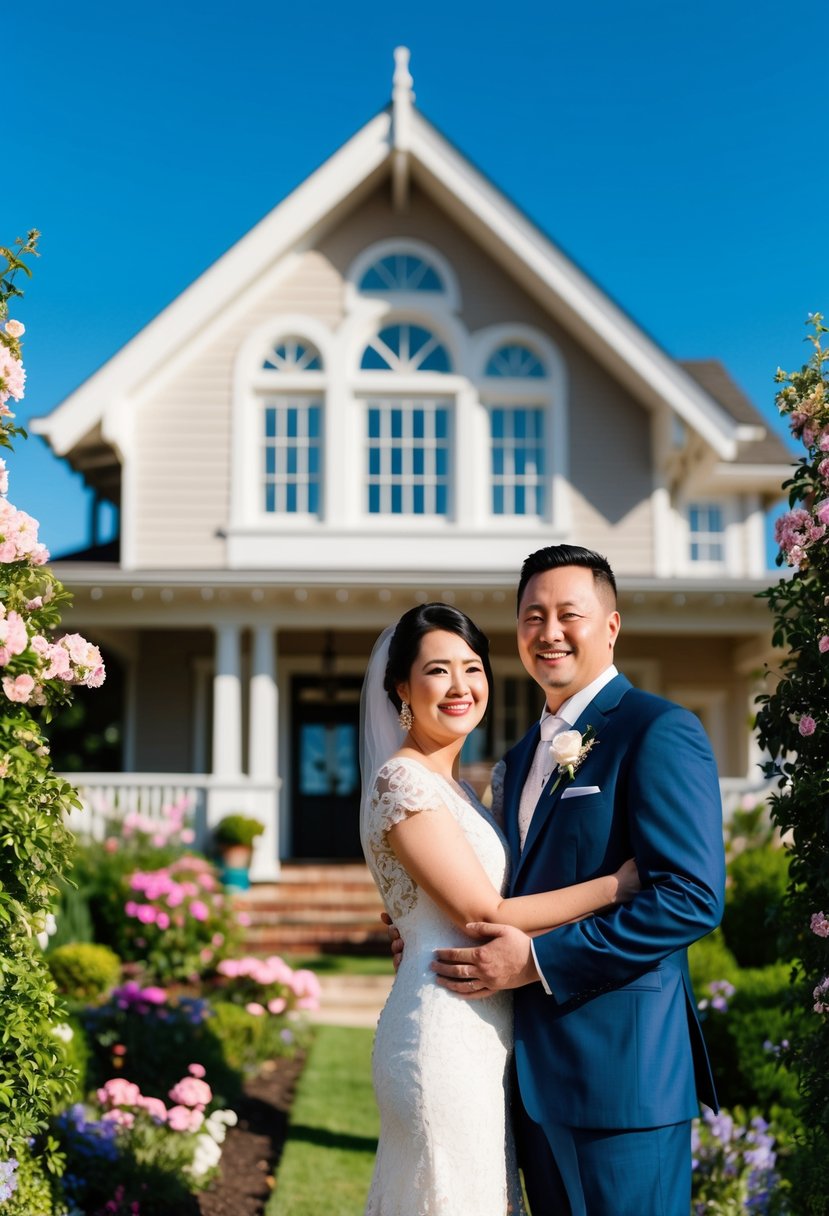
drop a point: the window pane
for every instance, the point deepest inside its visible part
(516, 460)
(292, 454)
(406, 458)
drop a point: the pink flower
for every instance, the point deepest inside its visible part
(819, 924)
(4, 477)
(15, 329)
(182, 1119)
(822, 511)
(821, 1005)
(229, 967)
(162, 920)
(154, 995)
(255, 1008)
(187, 836)
(119, 1092)
(146, 913)
(191, 1091)
(823, 643)
(196, 1070)
(155, 1108)
(18, 689)
(199, 910)
(124, 1118)
(12, 377)
(13, 637)
(277, 1005)
(807, 725)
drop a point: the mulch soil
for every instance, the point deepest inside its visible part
(251, 1152)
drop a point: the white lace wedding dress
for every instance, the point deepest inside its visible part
(440, 1063)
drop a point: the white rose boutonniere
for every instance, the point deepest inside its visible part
(567, 750)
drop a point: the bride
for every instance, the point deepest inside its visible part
(441, 1065)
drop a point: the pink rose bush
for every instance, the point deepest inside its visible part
(792, 730)
(269, 985)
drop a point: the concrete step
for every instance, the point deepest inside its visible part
(352, 1000)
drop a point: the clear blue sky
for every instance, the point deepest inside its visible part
(676, 152)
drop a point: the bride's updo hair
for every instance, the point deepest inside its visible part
(410, 631)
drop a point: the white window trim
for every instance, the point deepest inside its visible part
(251, 385)
(549, 392)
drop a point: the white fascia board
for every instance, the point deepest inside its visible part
(768, 478)
(584, 308)
(221, 283)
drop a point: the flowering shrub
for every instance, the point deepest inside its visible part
(268, 985)
(794, 728)
(177, 921)
(734, 1162)
(139, 1137)
(144, 1032)
(34, 673)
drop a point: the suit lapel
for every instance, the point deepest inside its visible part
(596, 715)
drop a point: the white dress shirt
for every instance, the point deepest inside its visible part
(568, 714)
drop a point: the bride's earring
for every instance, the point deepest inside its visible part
(405, 717)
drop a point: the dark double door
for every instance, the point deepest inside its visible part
(325, 794)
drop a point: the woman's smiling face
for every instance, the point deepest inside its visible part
(447, 688)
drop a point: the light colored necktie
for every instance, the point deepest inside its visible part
(537, 777)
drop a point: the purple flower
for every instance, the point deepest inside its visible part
(807, 725)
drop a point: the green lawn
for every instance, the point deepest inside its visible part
(345, 964)
(328, 1159)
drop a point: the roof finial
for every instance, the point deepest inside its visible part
(402, 82)
(402, 106)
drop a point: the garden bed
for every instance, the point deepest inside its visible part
(252, 1149)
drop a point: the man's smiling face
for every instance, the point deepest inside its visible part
(567, 628)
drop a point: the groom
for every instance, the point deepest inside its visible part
(609, 1053)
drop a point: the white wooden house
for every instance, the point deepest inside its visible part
(393, 389)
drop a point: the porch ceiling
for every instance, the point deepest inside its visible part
(201, 599)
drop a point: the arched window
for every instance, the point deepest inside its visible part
(290, 429)
(405, 272)
(405, 348)
(293, 355)
(516, 362)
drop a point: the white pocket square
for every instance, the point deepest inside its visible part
(578, 791)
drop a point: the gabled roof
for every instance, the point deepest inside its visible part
(400, 142)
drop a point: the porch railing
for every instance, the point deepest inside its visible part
(108, 798)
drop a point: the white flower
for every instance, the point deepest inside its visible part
(565, 748)
(64, 1032)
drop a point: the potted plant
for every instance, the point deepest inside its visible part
(234, 836)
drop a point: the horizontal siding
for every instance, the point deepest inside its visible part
(182, 486)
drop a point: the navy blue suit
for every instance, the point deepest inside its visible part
(618, 1045)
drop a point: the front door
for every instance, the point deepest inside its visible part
(325, 795)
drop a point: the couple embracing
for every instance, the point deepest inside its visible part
(542, 1012)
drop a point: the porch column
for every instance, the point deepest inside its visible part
(227, 702)
(262, 748)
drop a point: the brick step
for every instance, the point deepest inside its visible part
(315, 908)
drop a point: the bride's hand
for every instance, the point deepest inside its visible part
(628, 884)
(395, 940)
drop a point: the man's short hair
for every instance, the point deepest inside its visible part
(554, 556)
